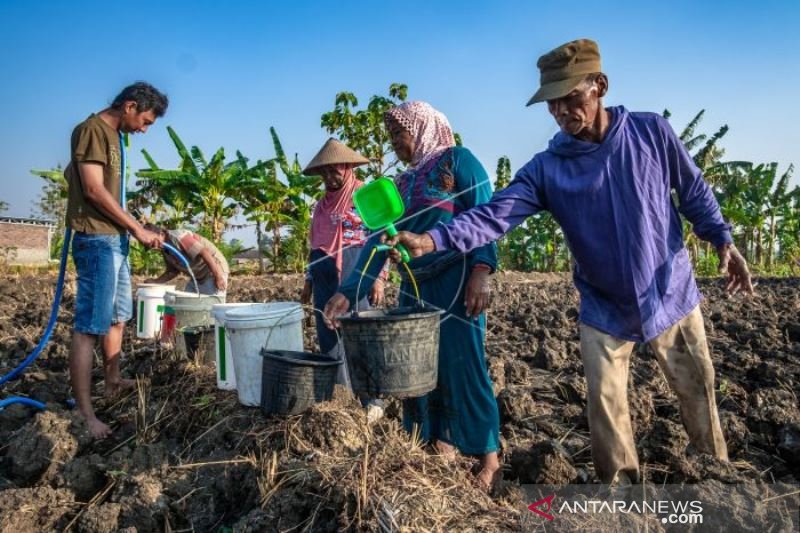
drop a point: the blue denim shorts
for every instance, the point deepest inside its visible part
(104, 282)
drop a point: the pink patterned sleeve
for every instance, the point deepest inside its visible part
(191, 244)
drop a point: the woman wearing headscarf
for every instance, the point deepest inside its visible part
(337, 237)
(442, 180)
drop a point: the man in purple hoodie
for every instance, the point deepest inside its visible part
(607, 177)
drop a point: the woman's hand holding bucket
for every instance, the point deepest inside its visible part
(336, 306)
(376, 294)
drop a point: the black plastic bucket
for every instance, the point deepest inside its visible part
(392, 352)
(291, 382)
(199, 342)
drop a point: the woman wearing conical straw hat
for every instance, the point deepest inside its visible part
(337, 237)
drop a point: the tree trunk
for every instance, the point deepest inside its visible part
(215, 227)
(748, 253)
(759, 247)
(771, 250)
(276, 246)
(742, 244)
(260, 247)
(551, 261)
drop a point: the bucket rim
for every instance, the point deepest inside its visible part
(220, 310)
(390, 315)
(150, 292)
(185, 294)
(191, 306)
(231, 305)
(195, 330)
(247, 314)
(319, 360)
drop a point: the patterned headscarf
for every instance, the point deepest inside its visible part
(429, 128)
(327, 232)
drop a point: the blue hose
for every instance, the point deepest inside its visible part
(174, 251)
(52, 322)
(53, 314)
(45, 338)
(19, 399)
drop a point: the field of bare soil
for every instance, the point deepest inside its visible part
(185, 456)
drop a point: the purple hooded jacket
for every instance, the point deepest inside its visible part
(614, 202)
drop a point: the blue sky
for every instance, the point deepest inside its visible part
(234, 69)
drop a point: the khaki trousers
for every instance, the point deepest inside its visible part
(682, 354)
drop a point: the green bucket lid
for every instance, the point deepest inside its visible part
(379, 203)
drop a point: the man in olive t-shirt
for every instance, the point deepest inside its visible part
(96, 214)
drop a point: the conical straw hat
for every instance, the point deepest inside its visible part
(334, 152)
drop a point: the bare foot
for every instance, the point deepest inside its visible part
(448, 451)
(97, 429)
(488, 477)
(114, 388)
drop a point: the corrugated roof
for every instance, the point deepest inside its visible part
(23, 220)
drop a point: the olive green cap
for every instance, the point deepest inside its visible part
(564, 68)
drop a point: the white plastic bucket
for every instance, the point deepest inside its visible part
(226, 376)
(168, 286)
(277, 326)
(191, 309)
(149, 297)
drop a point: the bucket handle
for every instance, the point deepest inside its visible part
(364, 273)
(290, 313)
(361, 278)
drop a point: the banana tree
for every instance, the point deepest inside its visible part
(789, 232)
(759, 202)
(52, 203)
(707, 155)
(778, 208)
(264, 201)
(203, 189)
(504, 245)
(302, 190)
(280, 206)
(53, 200)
